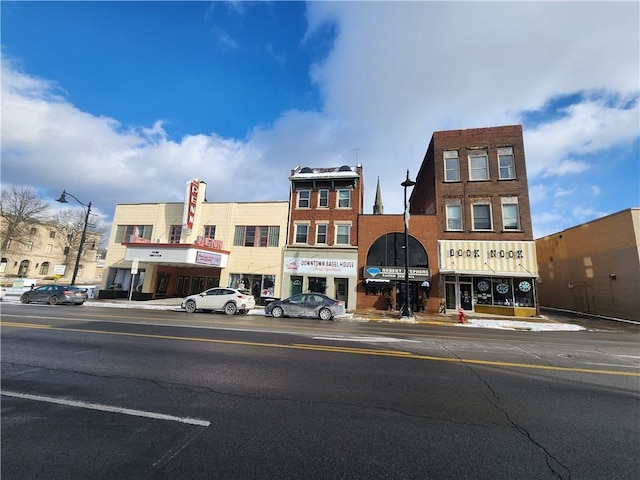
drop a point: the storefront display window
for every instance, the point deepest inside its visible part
(502, 291)
(482, 290)
(523, 289)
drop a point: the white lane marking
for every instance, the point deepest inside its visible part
(107, 408)
(617, 365)
(343, 338)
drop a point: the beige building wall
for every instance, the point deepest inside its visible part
(38, 259)
(225, 216)
(594, 267)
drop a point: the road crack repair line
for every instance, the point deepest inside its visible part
(494, 401)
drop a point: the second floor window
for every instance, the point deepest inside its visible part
(323, 198)
(451, 166)
(344, 198)
(209, 231)
(175, 233)
(510, 216)
(304, 197)
(52, 234)
(256, 236)
(124, 233)
(454, 217)
(343, 236)
(301, 233)
(482, 216)
(321, 233)
(28, 246)
(49, 248)
(478, 165)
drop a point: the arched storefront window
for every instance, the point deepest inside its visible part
(388, 251)
(44, 268)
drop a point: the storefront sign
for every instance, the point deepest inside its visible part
(209, 242)
(336, 266)
(190, 203)
(488, 257)
(396, 273)
(207, 258)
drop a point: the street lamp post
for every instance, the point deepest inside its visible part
(406, 307)
(63, 199)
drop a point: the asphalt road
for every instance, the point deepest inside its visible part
(95, 393)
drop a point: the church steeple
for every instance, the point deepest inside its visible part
(377, 204)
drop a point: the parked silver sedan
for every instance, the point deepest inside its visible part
(220, 299)
(315, 305)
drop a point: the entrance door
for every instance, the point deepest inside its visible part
(342, 285)
(466, 295)
(296, 285)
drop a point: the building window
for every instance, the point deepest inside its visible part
(451, 166)
(128, 233)
(343, 234)
(210, 231)
(49, 248)
(478, 165)
(28, 246)
(32, 231)
(3, 265)
(344, 198)
(175, 232)
(321, 233)
(52, 234)
(252, 236)
(302, 232)
(454, 217)
(506, 166)
(274, 236)
(304, 197)
(510, 213)
(44, 268)
(323, 198)
(481, 216)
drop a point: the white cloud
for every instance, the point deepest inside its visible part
(397, 73)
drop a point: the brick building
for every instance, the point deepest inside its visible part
(475, 184)
(321, 254)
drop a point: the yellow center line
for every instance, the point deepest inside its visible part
(333, 349)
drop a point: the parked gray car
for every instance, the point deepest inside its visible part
(54, 294)
(314, 305)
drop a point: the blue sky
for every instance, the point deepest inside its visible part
(122, 102)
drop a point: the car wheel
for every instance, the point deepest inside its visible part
(325, 314)
(53, 301)
(230, 308)
(190, 306)
(24, 299)
(277, 312)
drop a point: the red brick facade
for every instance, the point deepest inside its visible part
(372, 227)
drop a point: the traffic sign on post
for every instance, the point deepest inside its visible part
(134, 266)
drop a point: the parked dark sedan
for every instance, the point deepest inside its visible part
(54, 294)
(313, 305)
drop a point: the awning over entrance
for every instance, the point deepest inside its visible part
(176, 254)
(491, 258)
